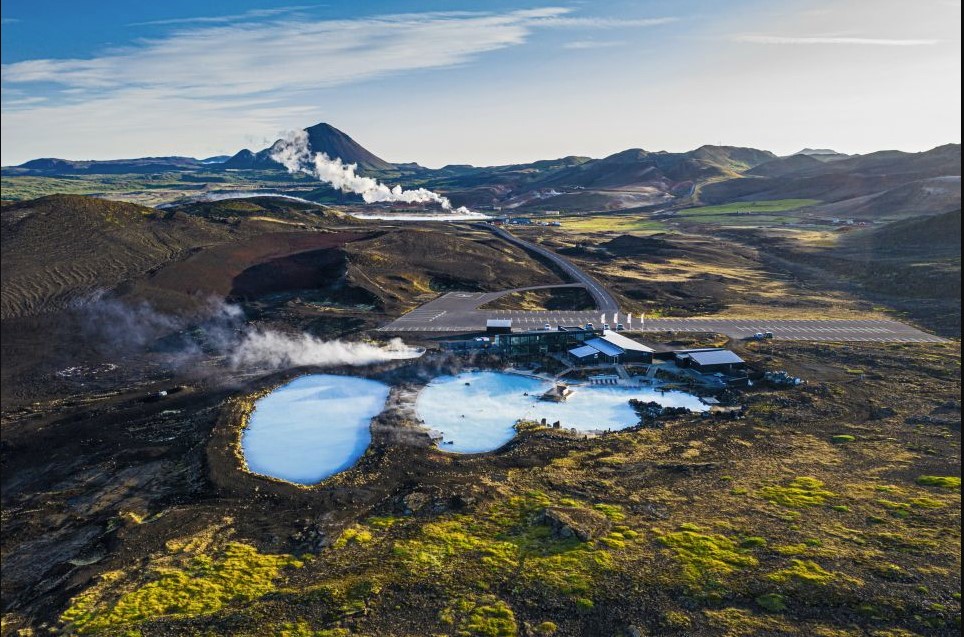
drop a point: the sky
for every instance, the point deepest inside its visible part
(481, 83)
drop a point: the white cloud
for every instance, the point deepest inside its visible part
(222, 19)
(575, 22)
(580, 45)
(243, 74)
(246, 59)
(784, 39)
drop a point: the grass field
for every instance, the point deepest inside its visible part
(613, 223)
(144, 189)
(748, 207)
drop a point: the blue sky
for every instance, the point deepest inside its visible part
(478, 82)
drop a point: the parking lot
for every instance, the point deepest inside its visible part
(458, 312)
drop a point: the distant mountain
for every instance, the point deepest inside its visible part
(637, 167)
(627, 179)
(920, 197)
(823, 154)
(817, 151)
(855, 178)
(781, 166)
(885, 184)
(142, 165)
(322, 138)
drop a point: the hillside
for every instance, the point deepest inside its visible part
(880, 185)
(842, 179)
(143, 165)
(925, 236)
(322, 138)
(935, 195)
(60, 248)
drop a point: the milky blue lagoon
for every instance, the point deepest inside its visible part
(476, 411)
(313, 427)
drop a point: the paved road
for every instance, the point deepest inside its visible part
(458, 312)
(799, 330)
(604, 300)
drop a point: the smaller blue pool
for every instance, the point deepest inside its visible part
(313, 427)
(477, 411)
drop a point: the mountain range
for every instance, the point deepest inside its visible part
(884, 183)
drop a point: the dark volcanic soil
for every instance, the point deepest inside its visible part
(832, 508)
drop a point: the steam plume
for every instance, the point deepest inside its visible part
(219, 329)
(274, 350)
(293, 153)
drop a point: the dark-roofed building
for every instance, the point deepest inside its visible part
(608, 352)
(541, 342)
(710, 361)
(633, 352)
(498, 326)
(611, 347)
(584, 355)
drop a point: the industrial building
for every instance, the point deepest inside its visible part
(536, 343)
(709, 361)
(498, 326)
(582, 345)
(613, 348)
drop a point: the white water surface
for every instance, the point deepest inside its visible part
(313, 427)
(476, 411)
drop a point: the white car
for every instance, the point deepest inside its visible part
(547, 327)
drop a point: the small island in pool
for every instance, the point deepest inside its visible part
(313, 427)
(477, 411)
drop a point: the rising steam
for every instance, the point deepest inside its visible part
(219, 329)
(293, 153)
(274, 350)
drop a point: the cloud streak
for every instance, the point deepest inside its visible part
(211, 77)
(833, 40)
(222, 19)
(284, 55)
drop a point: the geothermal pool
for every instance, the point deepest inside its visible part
(476, 411)
(313, 427)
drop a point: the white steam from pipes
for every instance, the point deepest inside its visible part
(293, 152)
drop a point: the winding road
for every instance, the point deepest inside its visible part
(459, 312)
(605, 302)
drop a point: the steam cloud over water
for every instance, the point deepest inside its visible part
(274, 350)
(293, 153)
(219, 329)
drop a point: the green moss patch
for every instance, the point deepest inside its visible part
(484, 616)
(773, 602)
(944, 482)
(204, 584)
(512, 540)
(703, 558)
(798, 493)
(806, 571)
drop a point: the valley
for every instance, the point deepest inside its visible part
(139, 341)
